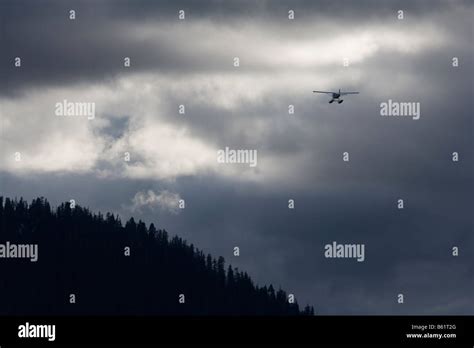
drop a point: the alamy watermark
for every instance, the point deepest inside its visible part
(241, 156)
(68, 108)
(28, 330)
(392, 108)
(345, 251)
(22, 251)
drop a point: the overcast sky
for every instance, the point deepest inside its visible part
(190, 62)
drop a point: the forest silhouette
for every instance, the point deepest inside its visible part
(83, 253)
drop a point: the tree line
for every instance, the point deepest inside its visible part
(93, 264)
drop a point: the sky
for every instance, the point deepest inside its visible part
(365, 46)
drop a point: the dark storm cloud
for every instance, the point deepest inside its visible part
(58, 51)
(407, 251)
(149, 9)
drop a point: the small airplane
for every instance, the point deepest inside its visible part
(336, 95)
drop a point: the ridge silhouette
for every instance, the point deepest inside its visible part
(82, 253)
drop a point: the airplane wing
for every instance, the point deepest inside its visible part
(344, 93)
(323, 92)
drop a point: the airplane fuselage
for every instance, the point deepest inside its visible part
(336, 96)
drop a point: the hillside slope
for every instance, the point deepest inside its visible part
(114, 269)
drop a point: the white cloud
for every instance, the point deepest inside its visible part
(164, 201)
(300, 45)
(46, 142)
